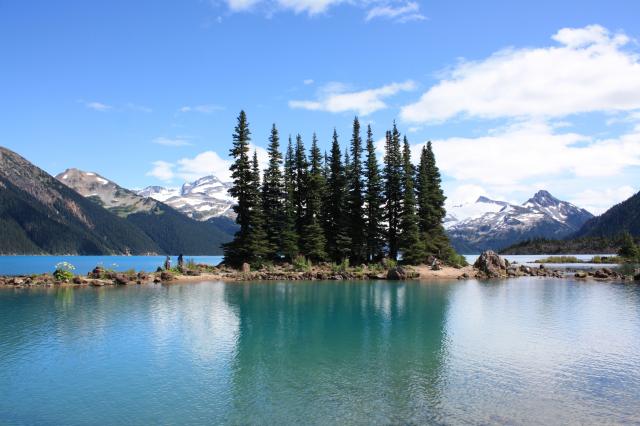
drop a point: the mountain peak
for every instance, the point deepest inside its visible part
(543, 198)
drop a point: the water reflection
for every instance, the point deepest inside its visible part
(525, 351)
(343, 352)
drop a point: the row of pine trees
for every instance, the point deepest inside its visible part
(335, 206)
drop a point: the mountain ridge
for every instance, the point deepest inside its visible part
(496, 224)
(39, 214)
(173, 231)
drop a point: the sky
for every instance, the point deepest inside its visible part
(516, 96)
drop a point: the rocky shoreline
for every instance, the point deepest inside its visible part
(489, 265)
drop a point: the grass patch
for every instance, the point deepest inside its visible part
(559, 259)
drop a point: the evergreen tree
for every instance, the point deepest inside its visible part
(258, 243)
(425, 211)
(410, 245)
(301, 170)
(313, 237)
(236, 252)
(433, 212)
(239, 249)
(629, 250)
(355, 200)
(273, 198)
(336, 226)
(374, 201)
(393, 189)
(289, 235)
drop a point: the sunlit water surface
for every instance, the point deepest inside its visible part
(525, 351)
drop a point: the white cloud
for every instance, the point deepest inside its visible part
(98, 106)
(334, 98)
(241, 5)
(598, 201)
(203, 164)
(398, 10)
(466, 193)
(404, 13)
(171, 141)
(308, 81)
(590, 71)
(513, 155)
(203, 109)
(162, 170)
(311, 7)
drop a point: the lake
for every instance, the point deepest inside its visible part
(523, 351)
(26, 265)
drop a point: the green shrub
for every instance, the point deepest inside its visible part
(64, 271)
(301, 264)
(340, 267)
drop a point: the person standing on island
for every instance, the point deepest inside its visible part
(167, 263)
(180, 262)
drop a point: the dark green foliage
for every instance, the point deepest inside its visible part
(355, 198)
(619, 218)
(628, 249)
(584, 245)
(431, 200)
(289, 235)
(393, 189)
(245, 188)
(409, 242)
(374, 201)
(336, 225)
(273, 198)
(176, 233)
(38, 214)
(301, 171)
(313, 239)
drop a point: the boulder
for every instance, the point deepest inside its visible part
(121, 279)
(600, 274)
(464, 276)
(166, 276)
(491, 265)
(397, 273)
(580, 274)
(636, 275)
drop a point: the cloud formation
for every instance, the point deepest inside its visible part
(534, 150)
(397, 10)
(590, 71)
(401, 13)
(598, 201)
(203, 109)
(178, 141)
(335, 98)
(203, 164)
(98, 106)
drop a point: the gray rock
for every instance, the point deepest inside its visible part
(491, 265)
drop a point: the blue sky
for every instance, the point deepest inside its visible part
(515, 95)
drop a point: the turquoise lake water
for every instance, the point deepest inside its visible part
(524, 351)
(25, 265)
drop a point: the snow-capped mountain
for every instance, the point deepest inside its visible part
(108, 194)
(491, 224)
(202, 199)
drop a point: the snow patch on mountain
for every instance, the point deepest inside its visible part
(201, 199)
(491, 224)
